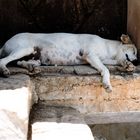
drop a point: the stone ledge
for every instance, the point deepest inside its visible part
(73, 70)
(112, 117)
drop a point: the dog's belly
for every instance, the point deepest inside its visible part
(60, 57)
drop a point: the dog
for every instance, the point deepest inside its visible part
(69, 49)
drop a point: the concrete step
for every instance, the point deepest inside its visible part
(58, 123)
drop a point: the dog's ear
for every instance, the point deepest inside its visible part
(125, 39)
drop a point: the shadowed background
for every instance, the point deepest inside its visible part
(106, 18)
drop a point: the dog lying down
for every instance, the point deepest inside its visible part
(68, 49)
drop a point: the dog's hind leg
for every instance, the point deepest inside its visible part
(95, 62)
(31, 65)
(14, 55)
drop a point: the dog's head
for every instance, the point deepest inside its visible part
(129, 49)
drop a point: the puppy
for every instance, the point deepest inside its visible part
(69, 49)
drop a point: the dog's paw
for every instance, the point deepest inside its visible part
(36, 69)
(108, 88)
(128, 66)
(4, 72)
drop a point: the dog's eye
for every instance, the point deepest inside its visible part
(134, 53)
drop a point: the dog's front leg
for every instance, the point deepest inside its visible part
(95, 62)
(31, 65)
(110, 62)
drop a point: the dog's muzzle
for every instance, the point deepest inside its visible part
(134, 62)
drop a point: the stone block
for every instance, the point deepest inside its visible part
(15, 103)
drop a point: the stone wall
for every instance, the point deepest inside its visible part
(134, 22)
(103, 17)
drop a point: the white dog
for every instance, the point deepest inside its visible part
(68, 49)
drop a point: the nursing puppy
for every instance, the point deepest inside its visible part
(69, 49)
